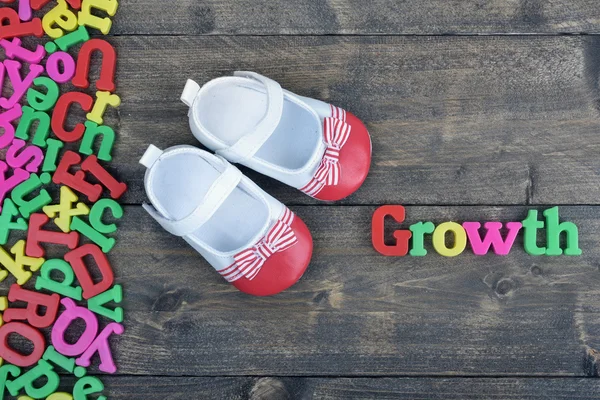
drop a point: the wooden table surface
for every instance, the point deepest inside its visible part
(478, 110)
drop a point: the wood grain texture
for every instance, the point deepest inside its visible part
(269, 388)
(356, 312)
(320, 17)
(454, 120)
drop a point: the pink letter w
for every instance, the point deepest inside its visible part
(492, 237)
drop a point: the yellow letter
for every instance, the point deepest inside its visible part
(88, 19)
(61, 16)
(16, 266)
(64, 210)
(439, 239)
(103, 100)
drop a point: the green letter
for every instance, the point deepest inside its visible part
(530, 227)
(553, 231)
(418, 232)
(41, 131)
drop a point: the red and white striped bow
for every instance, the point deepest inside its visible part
(336, 133)
(249, 262)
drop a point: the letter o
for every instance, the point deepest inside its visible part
(439, 239)
(53, 68)
(29, 333)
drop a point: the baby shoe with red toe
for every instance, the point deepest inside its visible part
(251, 239)
(308, 144)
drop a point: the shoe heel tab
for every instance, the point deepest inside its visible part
(190, 91)
(150, 156)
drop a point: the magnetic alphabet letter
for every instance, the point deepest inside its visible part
(10, 211)
(105, 243)
(86, 386)
(71, 313)
(378, 231)
(26, 381)
(97, 212)
(101, 346)
(5, 372)
(6, 118)
(87, 18)
(54, 70)
(54, 147)
(76, 259)
(13, 49)
(97, 303)
(108, 68)
(64, 209)
(41, 131)
(43, 101)
(64, 288)
(7, 184)
(20, 155)
(15, 27)
(103, 100)
(34, 301)
(19, 85)
(29, 333)
(116, 188)
(17, 265)
(61, 16)
(27, 207)
(92, 131)
(492, 237)
(439, 239)
(66, 363)
(64, 43)
(77, 180)
(36, 235)
(59, 115)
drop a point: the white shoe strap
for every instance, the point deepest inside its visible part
(214, 198)
(190, 92)
(152, 154)
(247, 146)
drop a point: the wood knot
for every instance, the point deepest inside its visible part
(504, 286)
(169, 301)
(269, 389)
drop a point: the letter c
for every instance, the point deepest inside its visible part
(61, 110)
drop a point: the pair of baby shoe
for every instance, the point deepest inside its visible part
(250, 238)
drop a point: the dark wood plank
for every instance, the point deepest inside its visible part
(170, 388)
(356, 312)
(454, 120)
(264, 17)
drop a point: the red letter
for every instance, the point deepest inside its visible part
(115, 187)
(378, 231)
(107, 71)
(75, 258)
(60, 115)
(26, 331)
(36, 235)
(34, 301)
(75, 181)
(15, 27)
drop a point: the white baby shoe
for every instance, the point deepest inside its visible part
(250, 238)
(305, 143)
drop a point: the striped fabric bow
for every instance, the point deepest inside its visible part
(336, 133)
(249, 262)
